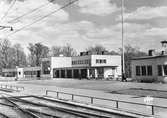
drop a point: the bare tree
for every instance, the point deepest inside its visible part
(20, 56)
(31, 56)
(98, 49)
(131, 52)
(37, 51)
(56, 51)
(68, 51)
(5, 47)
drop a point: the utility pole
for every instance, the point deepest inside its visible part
(123, 56)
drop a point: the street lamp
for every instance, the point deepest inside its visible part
(123, 57)
(3, 27)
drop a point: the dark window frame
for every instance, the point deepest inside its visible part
(143, 70)
(149, 70)
(165, 69)
(138, 71)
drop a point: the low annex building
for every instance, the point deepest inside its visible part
(151, 68)
(22, 72)
(83, 66)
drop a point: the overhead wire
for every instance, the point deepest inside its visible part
(36, 21)
(6, 13)
(29, 12)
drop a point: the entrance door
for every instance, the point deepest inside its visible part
(69, 73)
(62, 73)
(76, 73)
(39, 73)
(83, 73)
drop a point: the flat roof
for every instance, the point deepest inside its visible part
(37, 68)
(149, 57)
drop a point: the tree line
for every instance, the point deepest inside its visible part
(12, 56)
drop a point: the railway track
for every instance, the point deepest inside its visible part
(3, 116)
(39, 107)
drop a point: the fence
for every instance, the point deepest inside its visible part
(11, 87)
(117, 102)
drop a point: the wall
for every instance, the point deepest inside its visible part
(144, 62)
(60, 62)
(20, 73)
(111, 61)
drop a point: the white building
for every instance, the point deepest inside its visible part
(22, 72)
(86, 66)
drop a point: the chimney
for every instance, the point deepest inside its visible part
(151, 52)
(81, 53)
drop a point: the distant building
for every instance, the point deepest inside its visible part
(84, 66)
(22, 72)
(87, 65)
(151, 68)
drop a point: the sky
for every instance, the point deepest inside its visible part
(86, 23)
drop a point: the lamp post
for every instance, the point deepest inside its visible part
(3, 27)
(123, 57)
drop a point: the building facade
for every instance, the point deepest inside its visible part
(22, 72)
(85, 66)
(151, 68)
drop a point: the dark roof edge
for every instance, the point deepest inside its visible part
(149, 57)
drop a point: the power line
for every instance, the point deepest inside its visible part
(68, 4)
(6, 13)
(31, 11)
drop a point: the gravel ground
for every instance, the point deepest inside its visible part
(98, 89)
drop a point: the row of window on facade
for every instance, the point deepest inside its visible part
(100, 61)
(147, 70)
(30, 73)
(87, 61)
(144, 70)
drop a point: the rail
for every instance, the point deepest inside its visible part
(11, 87)
(98, 98)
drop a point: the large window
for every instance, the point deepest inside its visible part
(159, 70)
(143, 70)
(137, 70)
(149, 70)
(78, 62)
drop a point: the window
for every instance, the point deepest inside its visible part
(137, 70)
(97, 61)
(165, 69)
(149, 70)
(159, 70)
(105, 61)
(143, 70)
(100, 61)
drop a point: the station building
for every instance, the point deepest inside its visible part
(22, 72)
(83, 66)
(151, 68)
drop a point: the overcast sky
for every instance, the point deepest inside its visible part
(87, 23)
